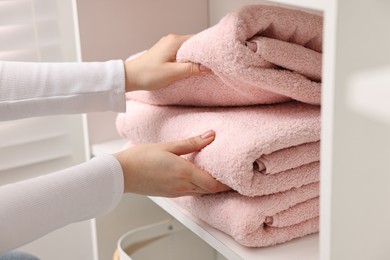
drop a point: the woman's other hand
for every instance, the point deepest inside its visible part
(158, 169)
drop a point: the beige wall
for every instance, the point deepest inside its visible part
(117, 29)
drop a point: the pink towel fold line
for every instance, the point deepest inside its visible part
(288, 158)
(289, 56)
(243, 135)
(262, 220)
(270, 236)
(301, 212)
(286, 65)
(292, 178)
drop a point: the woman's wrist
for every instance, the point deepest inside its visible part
(130, 84)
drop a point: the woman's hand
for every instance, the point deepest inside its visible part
(156, 68)
(158, 170)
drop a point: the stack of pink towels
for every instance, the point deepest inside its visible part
(263, 103)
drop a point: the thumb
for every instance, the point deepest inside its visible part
(186, 69)
(190, 145)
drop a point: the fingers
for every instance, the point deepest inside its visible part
(203, 182)
(207, 183)
(178, 40)
(190, 145)
(198, 182)
(182, 70)
(170, 44)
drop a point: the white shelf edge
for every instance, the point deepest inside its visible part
(297, 249)
(318, 5)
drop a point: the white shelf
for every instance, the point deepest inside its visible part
(318, 5)
(303, 248)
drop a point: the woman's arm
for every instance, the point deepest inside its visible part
(34, 89)
(32, 208)
(29, 89)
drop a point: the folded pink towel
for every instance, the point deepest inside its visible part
(245, 136)
(259, 55)
(259, 221)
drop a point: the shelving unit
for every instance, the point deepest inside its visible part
(302, 248)
(355, 128)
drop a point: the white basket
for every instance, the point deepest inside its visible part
(167, 239)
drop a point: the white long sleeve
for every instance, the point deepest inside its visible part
(35, 207)
(34, 89)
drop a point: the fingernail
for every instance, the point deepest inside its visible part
(208, 134)
(203, 68)
(252, 46)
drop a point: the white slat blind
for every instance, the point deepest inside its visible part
(39, 30)
(29, 30)
(43, 30)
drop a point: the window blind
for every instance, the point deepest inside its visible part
(39, 30)
(30, 30)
